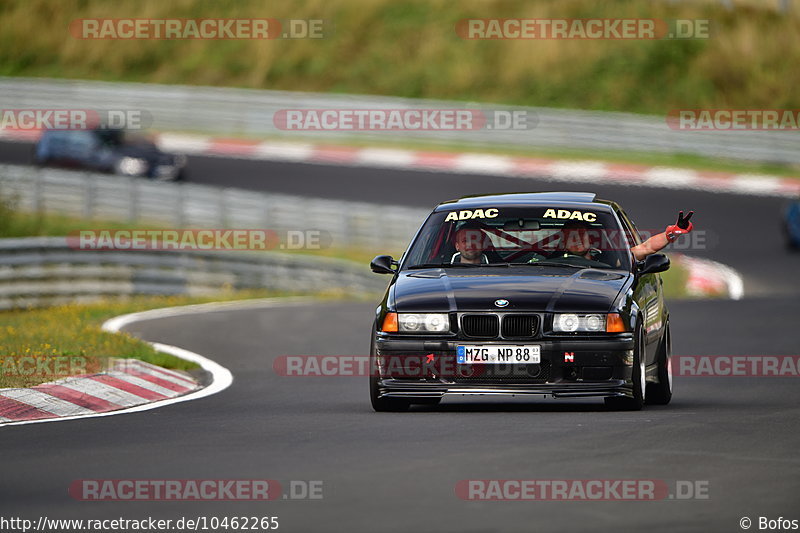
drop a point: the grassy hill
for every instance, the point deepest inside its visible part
(411, 49)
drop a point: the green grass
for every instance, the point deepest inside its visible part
(675, 282)
(15, 223)
(411, 49)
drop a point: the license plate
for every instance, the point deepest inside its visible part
(494, 354)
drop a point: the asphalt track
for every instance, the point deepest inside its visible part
(398, 471)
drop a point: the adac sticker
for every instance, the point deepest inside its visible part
(570, 215)
(468, 214)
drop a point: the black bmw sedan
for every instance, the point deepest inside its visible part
(522, 294)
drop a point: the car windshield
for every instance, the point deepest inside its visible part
(584, 237)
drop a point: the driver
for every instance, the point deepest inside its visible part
(470, 243)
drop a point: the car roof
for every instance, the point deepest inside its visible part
(524, 198)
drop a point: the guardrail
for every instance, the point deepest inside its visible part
(247, 112)
(42, 271)
(185, 205)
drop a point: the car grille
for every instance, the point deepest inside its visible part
(480, 325)
(488, 326)
(520, 326)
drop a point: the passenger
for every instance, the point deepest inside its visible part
(655, 243)
(576, 239)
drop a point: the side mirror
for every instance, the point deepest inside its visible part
(383, 264)
(653, 264)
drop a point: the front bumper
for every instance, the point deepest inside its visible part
(569, 368)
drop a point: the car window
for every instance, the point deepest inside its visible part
(82, 141)
(587, 236)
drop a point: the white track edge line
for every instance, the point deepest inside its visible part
(222, 378)
(733, 280)
(114, 325)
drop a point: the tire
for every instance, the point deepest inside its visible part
(661, 393)
(637, 378)
(382, 405)
(385, 405)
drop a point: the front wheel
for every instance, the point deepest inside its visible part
(661, 393)
(384, 405)
(381, 405)
(637, 380)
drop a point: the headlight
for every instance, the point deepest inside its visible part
(566, 323)
(132, 166)
(423, 322)
(569, 323)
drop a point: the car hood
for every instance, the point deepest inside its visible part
(530, 288)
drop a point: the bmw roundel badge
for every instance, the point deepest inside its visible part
(501, 303)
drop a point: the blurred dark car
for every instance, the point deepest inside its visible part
(114, 151)
(791, 225)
